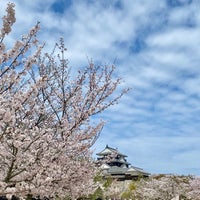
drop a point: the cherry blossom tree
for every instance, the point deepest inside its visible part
(45, 117)
(194, 192)
(169, 187)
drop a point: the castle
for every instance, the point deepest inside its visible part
(115, 165)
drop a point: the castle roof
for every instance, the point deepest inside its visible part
(109, 150)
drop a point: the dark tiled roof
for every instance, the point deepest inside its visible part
(110, 150)
(119, 161)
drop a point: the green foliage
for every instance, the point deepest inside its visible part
(98, 178)
(108, 182)
(132, 186)
(183, 197)
(97, 194)
(126, 195)
(29, 197)
(159, 176)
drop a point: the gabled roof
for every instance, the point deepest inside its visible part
(109, 150)
(134, 170)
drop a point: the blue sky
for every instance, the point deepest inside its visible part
(156, 48)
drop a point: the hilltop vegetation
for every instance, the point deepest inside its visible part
(156, 187)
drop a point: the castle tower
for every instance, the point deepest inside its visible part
(114, 164)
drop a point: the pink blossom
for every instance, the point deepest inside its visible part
(45, 118)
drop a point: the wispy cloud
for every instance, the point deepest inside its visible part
(156, 48)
